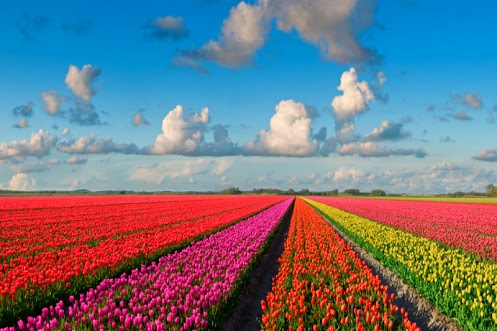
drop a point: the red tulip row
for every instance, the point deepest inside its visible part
(322, 284)
(48, 228)
(472, 227)
(56, 251)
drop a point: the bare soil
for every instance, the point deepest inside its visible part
(420, 310)
(248, 310)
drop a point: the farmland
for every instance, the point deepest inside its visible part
(460, 284)
(53, 247)
(183, 262)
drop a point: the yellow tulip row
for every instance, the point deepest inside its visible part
(459, 284)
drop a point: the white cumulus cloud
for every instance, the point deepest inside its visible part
(330, 24)
(181, 135)
(489, 155)
(52, 102)
(289, 132)
(372, 149)
(355, 97)
(242, 34)
(40, 144)
(22, 182)
(92, 145)
(80, 81)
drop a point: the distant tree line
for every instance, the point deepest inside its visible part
(304, 191)
(491, 191)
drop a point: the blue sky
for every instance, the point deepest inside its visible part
(208, 94)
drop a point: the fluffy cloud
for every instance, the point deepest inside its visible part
(371, 149)
(181, 135)
(355, 97)
(65, 132)
(23, 110)
(167, 27)
(40, 144)
(345, 174)
(92, 145)
(289, 132)
(330, 24)
(80, 81)
(22, 182)
(22, 123)
(76, 160)
(489, 154)
(470, 100)
(34, 167)
(52, 102)
(138, 119)
(388, 131)
(242, 34)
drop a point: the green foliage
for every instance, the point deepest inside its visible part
(491, 191)
(352, 191)
(378, 193)
(231, 191)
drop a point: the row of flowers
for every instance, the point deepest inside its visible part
(461, 285)
(140, 236)
(322, 284)
(185, 290)
(470, 226)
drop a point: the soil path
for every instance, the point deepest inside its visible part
(248, 310)
(420, 310)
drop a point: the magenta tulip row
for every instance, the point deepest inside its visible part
(179, 292)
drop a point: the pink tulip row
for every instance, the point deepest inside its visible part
(182, 291)
(472, 227)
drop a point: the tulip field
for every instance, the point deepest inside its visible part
(460, 283)
(471, 227)
(181, 262)
(323, 284)
(53, 247)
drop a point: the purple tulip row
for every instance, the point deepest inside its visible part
(179, 292)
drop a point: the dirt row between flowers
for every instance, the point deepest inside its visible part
(248, 310)
(420, 310)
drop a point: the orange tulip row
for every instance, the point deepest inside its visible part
(322, 284)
